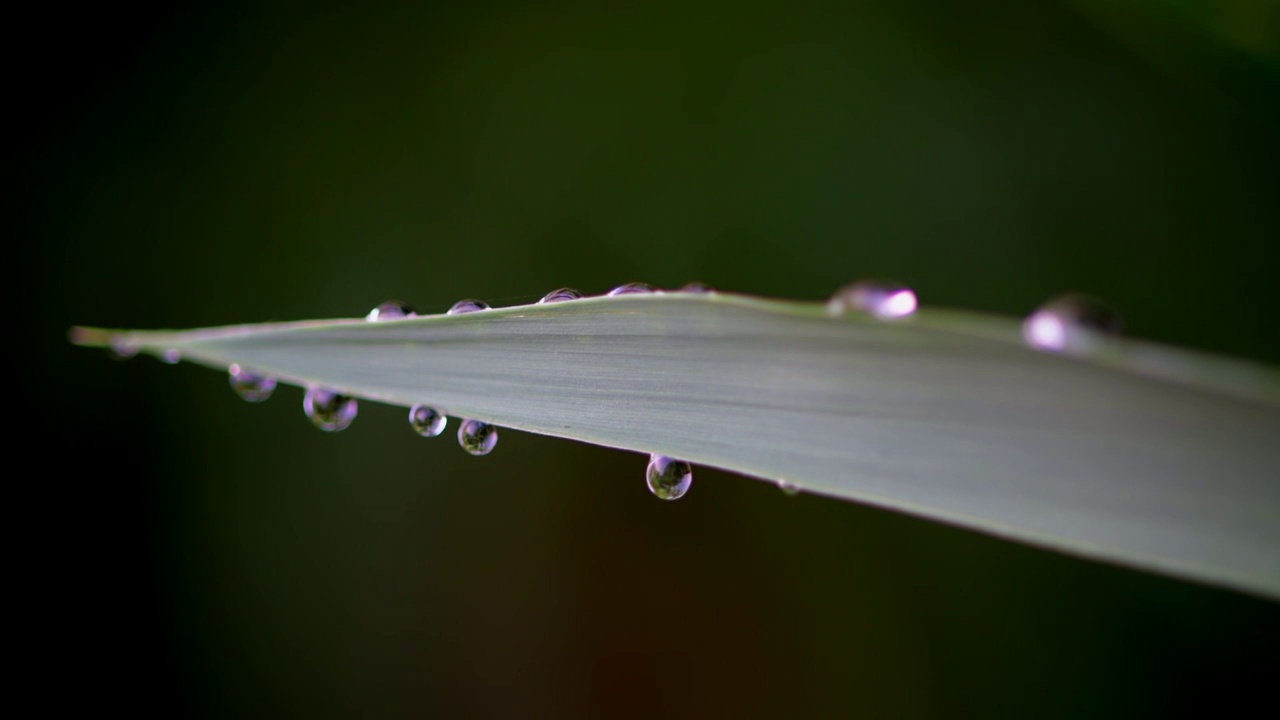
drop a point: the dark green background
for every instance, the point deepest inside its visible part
(239, 163)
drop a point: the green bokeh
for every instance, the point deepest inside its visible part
(244, 164)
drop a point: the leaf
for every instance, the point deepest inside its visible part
(1155, 458)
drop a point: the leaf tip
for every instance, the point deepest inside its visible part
(89, 337)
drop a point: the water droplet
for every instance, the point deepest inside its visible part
(788, 488)
(1071, 323)
(250, 385)
(476, 437)
(427, 421)
(392, 310)
(885, 299)
(171, 356)
(668, 478)
(560, 295)
(121, 350)
(329, 410)
(633, 288)
(697, 287)
(466, 306)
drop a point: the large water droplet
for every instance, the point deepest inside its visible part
(885, 299)
(427, 421)
(466, 306)
(172, 356)
(1071, 323)
(250, 385)
(329, 410)
(477, 438)
(788, 488)
(668, 478)
(632, 288)
(560, 295)
(392, 310)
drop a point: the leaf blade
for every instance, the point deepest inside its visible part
(1150, 457)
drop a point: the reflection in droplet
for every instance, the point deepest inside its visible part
(329, 410)
(466, 306)
(697, 287)
(788, 488)
(1071, 323)
(477, 438)
(885, 299)
(426, 420)
(172, 356)
(668, 478)
(251, 386)
(560, 295)
(633, 288)
(392, 310)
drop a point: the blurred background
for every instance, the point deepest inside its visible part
(212, 163)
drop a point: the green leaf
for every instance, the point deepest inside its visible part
(1155, 458)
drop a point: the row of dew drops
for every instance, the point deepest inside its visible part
(1072, 324)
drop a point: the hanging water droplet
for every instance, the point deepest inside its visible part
(697, 287)
(668, 478)
(788, 488)
(251, 386)
(121, 350)
(560, 295)
(329, 410)
(392, 310)
(632, 288)
(477, 438)
(426, 420)
(466, 306)
(172, 356)
(885, 299)
(1071, 323)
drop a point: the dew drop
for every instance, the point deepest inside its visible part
(329, 410)
(121, 350)
(885, 299)
(426, 420)
(668, 478)
(1071, 323)
(790, 489)
(560, 295)
(251, 386)
(466, 306)
(632, 288)
(172, 356)
(392, 310)
(477, 438)
(697, 287)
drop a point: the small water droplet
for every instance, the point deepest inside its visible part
(466, 306)
(560, 295)
(1071, 323)
(885, 299)
(172, 356)
(251, 386)
(632, 288)
(697, 287)
(668, 478)
(121, 350)
(477, 438)
(392, 310)
(427, 421)
(788, 488)
(329, 410)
